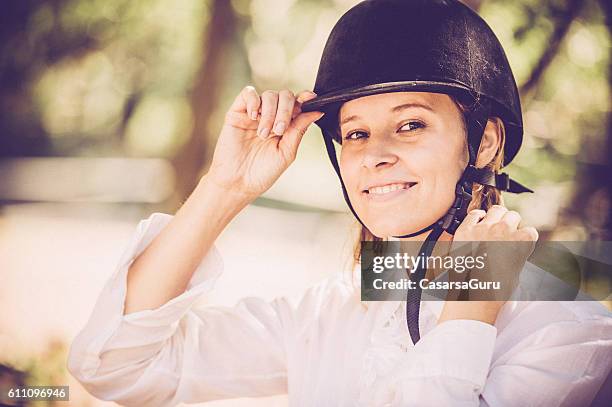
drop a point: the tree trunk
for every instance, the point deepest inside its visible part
(205, 94)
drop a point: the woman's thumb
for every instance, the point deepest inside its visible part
(290, 141)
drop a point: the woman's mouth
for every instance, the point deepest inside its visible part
(387, 192)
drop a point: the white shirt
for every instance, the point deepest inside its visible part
(331, 349)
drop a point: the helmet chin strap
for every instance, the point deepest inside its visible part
(476, 123)
(449, 222)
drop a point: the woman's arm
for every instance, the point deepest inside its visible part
(513, 245)
(252, 151)
(144, 343)
(548, 354)
(179, 352)
(163, 270)
(154, 357)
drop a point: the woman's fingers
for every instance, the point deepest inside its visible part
(244, 109)
(242, 100)
(302, 97)
(512, 219)
(286, 101)
(528, 234)
(474, 216)
(269, 103)
(290, 141)
(291, 123)
(471, 219)
(253, 101)
(495, 224)
(494, 214)
(305, 95)
(278, 110)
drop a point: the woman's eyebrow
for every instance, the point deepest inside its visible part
(411, 104)
(394, 110)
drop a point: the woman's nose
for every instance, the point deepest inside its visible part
(378, 154)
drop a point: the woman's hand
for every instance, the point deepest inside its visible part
(497, 224)
(259, 140)
(506, 247)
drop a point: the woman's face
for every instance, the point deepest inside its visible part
(402, 155)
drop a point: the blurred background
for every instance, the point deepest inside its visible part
(109, 111)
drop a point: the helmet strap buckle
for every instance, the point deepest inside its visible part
(455, 215)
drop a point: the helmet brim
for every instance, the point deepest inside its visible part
(332, 99)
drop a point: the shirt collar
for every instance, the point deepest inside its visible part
(431, 307)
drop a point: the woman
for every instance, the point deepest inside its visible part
(408, 141)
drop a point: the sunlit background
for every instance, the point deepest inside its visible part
(110, 111)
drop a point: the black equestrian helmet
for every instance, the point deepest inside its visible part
(439, 46)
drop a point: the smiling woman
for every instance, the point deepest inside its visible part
(425, 115)
(428, 115)
(401, 138)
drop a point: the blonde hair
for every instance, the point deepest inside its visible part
(483, 196)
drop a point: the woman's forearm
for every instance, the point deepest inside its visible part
(163, 270)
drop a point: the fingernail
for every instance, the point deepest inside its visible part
(279, 128)
(264, 132)
(254, 115)
(300, 98)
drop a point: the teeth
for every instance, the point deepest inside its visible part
(387, 188)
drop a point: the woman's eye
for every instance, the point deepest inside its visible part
(411, 126)
(354, 135)
(359, 134)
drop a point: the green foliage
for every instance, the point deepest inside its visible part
(126, 91)
(115, 78)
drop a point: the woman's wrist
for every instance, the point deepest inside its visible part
(232, 199)
(211, 204)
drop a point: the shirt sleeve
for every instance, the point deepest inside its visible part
(180, 352)
(563, 363)
(448, 366)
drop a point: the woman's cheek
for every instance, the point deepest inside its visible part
(349, 170)
(438, 186)
(444, 193)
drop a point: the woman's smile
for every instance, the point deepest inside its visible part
(387, 192)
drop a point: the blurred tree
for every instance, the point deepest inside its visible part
(84, 77)
(563, 118)
(31, 39)
(592, 202)
(222, 33)
(590, 207)
(562, 16)
(152, 77)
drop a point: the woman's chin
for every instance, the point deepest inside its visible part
(385, 229)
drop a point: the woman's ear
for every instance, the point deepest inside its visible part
(490, 142)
